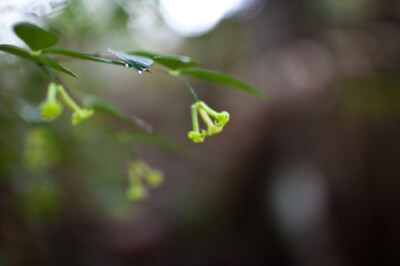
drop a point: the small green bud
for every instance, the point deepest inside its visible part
(196, 136)
(154, 178)
(50, 110)
(51, 107)
(222, 119)
(137, 192)
(81, 114)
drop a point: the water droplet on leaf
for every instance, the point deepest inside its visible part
(140, 72)
(126, 65)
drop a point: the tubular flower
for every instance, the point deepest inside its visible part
(51, 108)
(212, 127)
(195, 134)
(78, 114)
(221, 118)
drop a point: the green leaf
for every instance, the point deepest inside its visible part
(57, 66)
(36, 58)
(176, 62)
(172, 62)
(21, 52)
(219, 78)
(110, 111)
(35, 37)
(136, 62)
(61, 51)
(143, 53)
(152, 139)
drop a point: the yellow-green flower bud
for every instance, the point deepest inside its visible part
(51, 107)
(50, 110)
(154, 178)
(80, 115)
(137, 192)
(196, 136)
(222, 119)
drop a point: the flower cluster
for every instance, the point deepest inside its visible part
(138, 172)
(51, 108)
(213, 127)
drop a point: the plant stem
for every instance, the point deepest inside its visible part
(195, 121)
(52, 92)
(190, 89)
(207, 120)
(50, 71)
(67, 100)
(208, 110)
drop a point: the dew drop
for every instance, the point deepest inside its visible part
(140, 72)
(126, 65)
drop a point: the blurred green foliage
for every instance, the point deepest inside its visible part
(41, 149)
(331, 72)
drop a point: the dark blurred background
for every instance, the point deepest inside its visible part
(309, 177)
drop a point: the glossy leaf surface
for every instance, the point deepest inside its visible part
(170, 62)
(35, 37)
(138, 63)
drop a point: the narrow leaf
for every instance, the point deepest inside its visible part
(57, 66)
(24, 53)
(61, 51)
(21, 52)
(176, 62)
(110, 110)
(172, 62)
(136, 62)
(154, 140)
(143, 53)
(219, 78)
(35, 37)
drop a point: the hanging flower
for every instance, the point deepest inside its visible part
(213, 127)
(51, 108)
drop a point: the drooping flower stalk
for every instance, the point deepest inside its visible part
(78, 114)
(205, 112)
